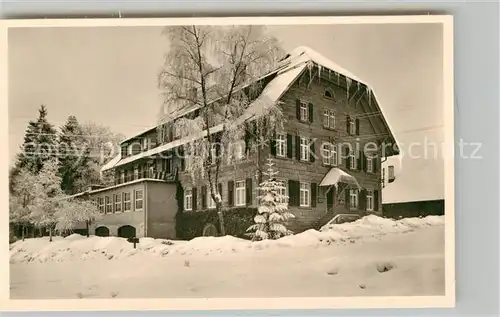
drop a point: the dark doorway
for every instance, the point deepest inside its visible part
(102, 231)
(126, 232)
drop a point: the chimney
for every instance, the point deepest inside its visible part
(391, 177)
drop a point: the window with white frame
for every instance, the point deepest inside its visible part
(369, 200)
(334, 154)
(122, 176)
(369, 164)
(136, 172)
(101, 204)
(304, 149)
(118, 203)
(188, 199)
(126, 202)
(283, 190)
(138, 199)
(305, 194)
(353, 201)
(304, 113)
(352, 158)
(281, 145)
(329, 119)
(210, 201)
(352, 126)
(332, 119)
(326, 152)
(108, 204)
(240, 192)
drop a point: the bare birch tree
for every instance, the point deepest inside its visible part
(215, 71)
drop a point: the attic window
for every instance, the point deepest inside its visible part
(329, 94)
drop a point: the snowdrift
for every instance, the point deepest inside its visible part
(77, 247)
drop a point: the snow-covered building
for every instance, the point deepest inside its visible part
(328, 156)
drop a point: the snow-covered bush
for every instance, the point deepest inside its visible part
(273, 212)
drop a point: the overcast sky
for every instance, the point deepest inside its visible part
(108, 75)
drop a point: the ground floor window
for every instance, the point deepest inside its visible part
(210, 201)
(240, 193)
(188, 199)
(305, 194)
(353, 202)
(369, 200)
(283, 190)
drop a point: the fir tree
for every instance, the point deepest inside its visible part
(73, 155)
(273, 208)
(39, 143)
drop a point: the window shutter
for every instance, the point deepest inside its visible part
(347, 157)
(297, 108)
(204, 197)
(357, 126)
(360, 160)
(347, 198)
(375, 200)
(289, 145)
(220, 192)
(248, 188)
(313, 194)
(310, 108)
(347, 123)
(273, 145)
(292, 192)
(375, 163)
(170, 132)
(363, 159)
(362, 199)
(195, 198)
(312, 152)
(297, 147)
(230, 190)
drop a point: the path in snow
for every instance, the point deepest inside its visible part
(348, 269)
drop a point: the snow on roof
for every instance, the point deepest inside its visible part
(335, 175)
(166, 147)
(111, 163)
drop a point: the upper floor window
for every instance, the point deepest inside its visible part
(118, 203)
(108, 204)
(304, 149)
(334, 154)
(369, 200)
(329, 119)
(353, 201)
(176, 132)
(188, 199)
(352, 126)
(101, 204)
(304, 111)
(281, 145)
(369, 164)
(138, 199)
(352, 159)
(326, 154)
(126, 201)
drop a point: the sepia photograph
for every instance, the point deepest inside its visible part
(186, 159)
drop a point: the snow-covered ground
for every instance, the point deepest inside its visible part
(372, 256)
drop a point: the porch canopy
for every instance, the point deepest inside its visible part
(335, 175)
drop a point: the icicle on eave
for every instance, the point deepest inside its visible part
(348, 85)
(369, 93)
(319, 72)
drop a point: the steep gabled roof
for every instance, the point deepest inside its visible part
(287, 72)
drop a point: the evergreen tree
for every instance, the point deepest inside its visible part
(22, 200)
(73, 155)
(273, 208)
(39, 143)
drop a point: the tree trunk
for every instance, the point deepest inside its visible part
(23, 228)
(87, 225)
(50, 234)
(221, 219)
